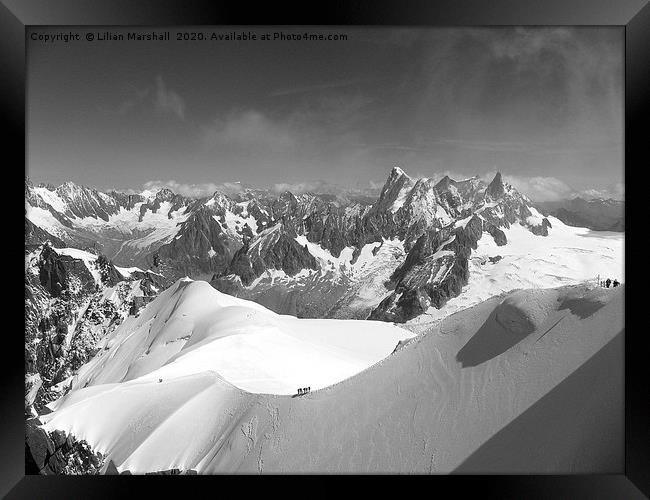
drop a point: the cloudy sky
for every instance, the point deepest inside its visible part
(543, 106)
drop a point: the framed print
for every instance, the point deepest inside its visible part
(366, 239)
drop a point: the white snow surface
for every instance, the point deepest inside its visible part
(324, 256)
(128, 271)
(536, 218)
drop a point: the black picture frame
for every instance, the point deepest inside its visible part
(632, 15)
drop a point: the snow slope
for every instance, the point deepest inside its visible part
(427, 408)
(192, 328)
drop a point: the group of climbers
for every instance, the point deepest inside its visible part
(608, 282)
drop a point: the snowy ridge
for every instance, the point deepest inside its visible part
(192, 328)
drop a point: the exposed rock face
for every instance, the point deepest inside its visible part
(496, 233)
(176, 202)
(109, 275)
(542, 229)
(398, 184)
(54, 270)
(127, 201)
(240, 266)
(138, 303)
(56, 453)
(435, 270)
(331, 230)
(496, 189)
(275, 248)
(199, 244)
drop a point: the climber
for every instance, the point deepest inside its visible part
(616, 283)
(608, 282)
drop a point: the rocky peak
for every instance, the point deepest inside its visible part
(395, 189)
(397, 176)
(218, 203)
(285, 204)
(69, 190)
(274, 248)
(496, 188)
(445, 183)
(165, 194)
(396, 172)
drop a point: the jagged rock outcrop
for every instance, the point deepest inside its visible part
(275, 248)
(495, 189)
(54, 270)
(58, 453)
(435, 270)
(496, 233)
(396, 188)
(200, 244)
(542, 229)
(127, 201)
(81, 202)
(175, 202)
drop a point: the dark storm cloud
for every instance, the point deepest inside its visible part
(534, 103)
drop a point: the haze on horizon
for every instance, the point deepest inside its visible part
(543, 106)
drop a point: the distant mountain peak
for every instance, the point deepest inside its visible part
(444, 183)
(395, 190)
(496, 189)
(396, 171)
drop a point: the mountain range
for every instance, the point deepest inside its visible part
(598, 214)
(238, 240)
